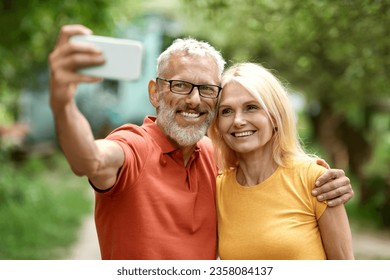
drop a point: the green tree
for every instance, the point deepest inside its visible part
(337, 54)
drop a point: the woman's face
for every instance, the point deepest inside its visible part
(242, 122)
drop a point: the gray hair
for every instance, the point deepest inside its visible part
(190, 46)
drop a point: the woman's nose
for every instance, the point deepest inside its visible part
(239, 120)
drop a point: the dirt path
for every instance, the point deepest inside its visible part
(367, 245)
(371, 245)
(87, 247)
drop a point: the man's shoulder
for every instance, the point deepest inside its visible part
(126, 130)
(148, 124)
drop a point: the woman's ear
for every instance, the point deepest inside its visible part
(153, 93)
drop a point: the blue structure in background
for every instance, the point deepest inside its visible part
(108, 104)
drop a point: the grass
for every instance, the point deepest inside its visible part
(41, 207)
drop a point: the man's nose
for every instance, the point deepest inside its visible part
(193, 97)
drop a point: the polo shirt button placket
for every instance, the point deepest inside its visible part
(163, 160)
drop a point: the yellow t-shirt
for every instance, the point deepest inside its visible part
(276, 219)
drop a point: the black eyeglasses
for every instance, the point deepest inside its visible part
(184, 88)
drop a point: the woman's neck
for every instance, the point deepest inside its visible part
(254, 169)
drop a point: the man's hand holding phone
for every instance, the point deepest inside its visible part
(80, 57)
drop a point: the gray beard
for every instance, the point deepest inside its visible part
(183, 136)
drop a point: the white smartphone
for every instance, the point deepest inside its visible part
(123, 57)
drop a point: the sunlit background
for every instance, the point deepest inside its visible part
(333, 56)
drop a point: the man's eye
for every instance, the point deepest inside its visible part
(180, 85)
(206, 88)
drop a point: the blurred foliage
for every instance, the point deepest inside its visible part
(41, 207)
(309, 42)
(29, 31)
(335, 53)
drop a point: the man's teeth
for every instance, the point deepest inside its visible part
(190, 115)
(244, 133)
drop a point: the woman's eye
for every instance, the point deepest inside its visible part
(252, 107)
(226, 111)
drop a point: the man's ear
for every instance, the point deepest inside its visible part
(153, 93)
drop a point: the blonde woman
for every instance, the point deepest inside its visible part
(264, 201)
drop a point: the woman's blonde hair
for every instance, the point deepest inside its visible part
(273, 97)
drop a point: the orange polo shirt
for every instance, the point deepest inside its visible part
(158, 208)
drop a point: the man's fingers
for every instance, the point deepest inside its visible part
(73, 52)
(334, 187)
(323, 163)
(73, 77)
(63, 66)
(67, 56)
(81, 60)
(329, 175)
(340, 200)
(69, 30)
(335, 193)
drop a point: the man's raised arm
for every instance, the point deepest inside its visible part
(99, 160)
